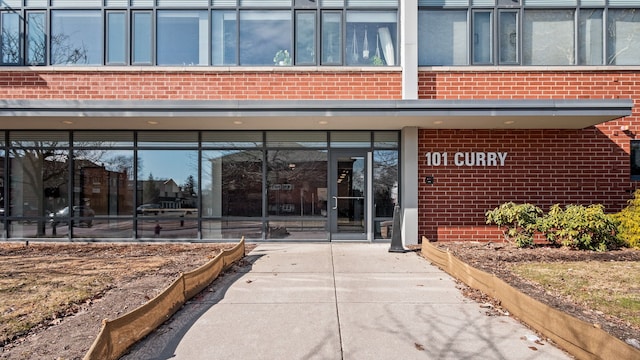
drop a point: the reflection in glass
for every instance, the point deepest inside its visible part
(141, 34)
(36, 39)
(508, 37)
(231, 139)
(76, 37)
(482, 37)
(542, 25)
(182, 37)
(231, 229)
(265, 37)
(350, 139)
(11, 48)
(168, 229)
(232, 183)
(371, 38)
(223, 37)
(305, 38)
(116, 38)
(442, 36)
(623, 27)
(331, 38)
(590, 39)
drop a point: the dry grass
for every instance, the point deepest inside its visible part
(611, 287)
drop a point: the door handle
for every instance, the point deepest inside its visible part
(335, 201)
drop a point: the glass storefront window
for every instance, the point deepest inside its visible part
(442, 36)
(232, 183)
(371, 38)
(161, 139)
(10, 47)
(386, 140)
(296, 139)
(542, 25)
(350, 139)
(623, 42)
(76, 37)
(385, 189)
(224, 38)
(182, 37)
(231, 139)
(265, 37)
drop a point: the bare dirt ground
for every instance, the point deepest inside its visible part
(70, 332)
(136, 273)
(498, 258)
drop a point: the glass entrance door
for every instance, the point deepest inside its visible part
(348, 201)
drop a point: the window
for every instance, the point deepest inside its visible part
(542, 25)
(11, 48)
(590, 37)
(76, 37)
(182, 38)
(442, 36)
(623, 39)
(371, 38)
(265, 37)
(482, 37)
(508, 37)
(141, 34)
(223, 38)
(635, 160)
(116, 38)
(36, 38)
(305, 51)
(331, 38)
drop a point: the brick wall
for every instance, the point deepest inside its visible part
(199, 85)
(543, 167)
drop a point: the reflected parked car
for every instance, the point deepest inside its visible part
(146, 209)
(62, 215)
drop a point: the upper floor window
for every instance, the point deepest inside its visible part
(490, 32)
(217, 33)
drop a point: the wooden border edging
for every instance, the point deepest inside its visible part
(116, 336)
(579, 338)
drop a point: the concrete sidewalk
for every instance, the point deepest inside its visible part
(338, 301)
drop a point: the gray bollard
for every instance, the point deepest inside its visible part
(396, 232)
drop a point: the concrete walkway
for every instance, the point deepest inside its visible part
(338, 301)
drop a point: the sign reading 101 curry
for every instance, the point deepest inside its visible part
(470, 159)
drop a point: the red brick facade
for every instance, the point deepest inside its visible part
(543, 167)
(200, 85)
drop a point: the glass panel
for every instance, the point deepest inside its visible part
(385, 182)
(116, 38)
(350, 194)
(386, 139)
(3, 210)
(297, 183)
(635, 160)
(623, 42)
(371, 38)
(590, 37)
(224, 38)
(442, 36)
(231, 139)
(225, 229)
(232, 183)
(331, 38)
(103, 228)
(164, 139)
(39, 187)
(296, 139)
(305, 38)
(482, 37)
(39, 138)
(542, 25)
(141, 29)
(36, 40)
(167, 192)
(350, 139)
(508, 37)
(178, 228)
(182, 37)
(76, 37)
(11, 49)
(265, 37)
(108, 139)
(306, 228)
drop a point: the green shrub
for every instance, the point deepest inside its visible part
(629, 218)
(519, 221)
(580, 227)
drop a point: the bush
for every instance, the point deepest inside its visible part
(519, 221)
(629, 222)
(580, 227)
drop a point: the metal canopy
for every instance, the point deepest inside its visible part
(310, 114)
